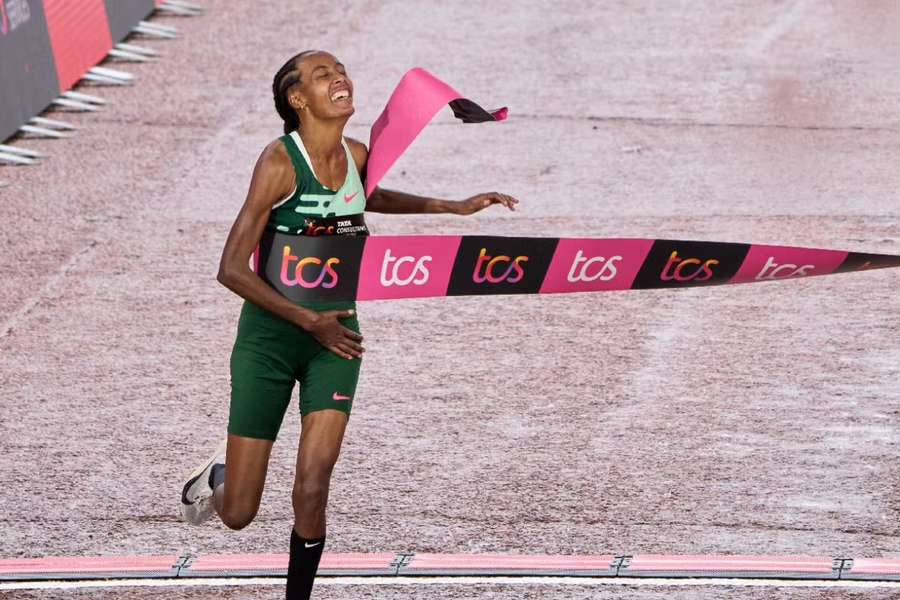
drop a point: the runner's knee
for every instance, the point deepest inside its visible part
(311, 490)
(237, 515)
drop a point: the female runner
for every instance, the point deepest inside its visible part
(302, 182)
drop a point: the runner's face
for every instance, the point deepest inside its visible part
(326, 89)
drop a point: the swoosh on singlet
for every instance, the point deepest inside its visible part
(349, 199)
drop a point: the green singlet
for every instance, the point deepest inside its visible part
(270, 354)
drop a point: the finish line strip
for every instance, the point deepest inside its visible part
(306, 268)
(416, 566)
(423, 581)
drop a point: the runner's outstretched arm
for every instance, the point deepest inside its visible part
(392, 201)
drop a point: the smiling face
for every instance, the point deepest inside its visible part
(325, 91)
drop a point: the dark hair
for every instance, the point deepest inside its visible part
(286, 77)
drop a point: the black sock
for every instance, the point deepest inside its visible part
(302, 567)
(216, 476)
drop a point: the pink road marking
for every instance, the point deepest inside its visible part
(804, 564)
(510, 561)
(876, 566)
(251, 562)
(87, 564)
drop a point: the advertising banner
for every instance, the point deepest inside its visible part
(79, 34)
(27, 76)
(123, 15)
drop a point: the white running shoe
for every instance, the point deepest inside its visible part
(197, 495)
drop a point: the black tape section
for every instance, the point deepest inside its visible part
(468, 112)
(326, 270)
(500, 265)
(673, 263)
(860, 261)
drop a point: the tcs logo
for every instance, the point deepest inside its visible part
(490, 263)
(325, 271)
(580, 270)
(772, 270)
(687, 269)
(416, 275)
(313, 229)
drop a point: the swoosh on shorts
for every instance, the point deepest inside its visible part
(337, 396)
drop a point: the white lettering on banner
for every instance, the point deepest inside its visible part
(350, 229)
(772, 270)
(13, 14)
(419, 269)
(606, 272)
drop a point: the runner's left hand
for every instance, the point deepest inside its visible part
(481, 201)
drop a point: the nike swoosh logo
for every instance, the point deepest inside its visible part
(337, 396)
(350, 198)
(308, 545)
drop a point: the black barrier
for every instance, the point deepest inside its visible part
(28, 70)
(123, 15)
(28, 81)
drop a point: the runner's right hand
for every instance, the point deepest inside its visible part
(329, 332)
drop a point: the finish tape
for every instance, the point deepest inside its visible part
(336, 268)
(415, 101)
(314, 268)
